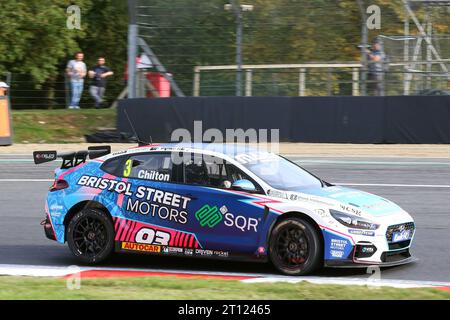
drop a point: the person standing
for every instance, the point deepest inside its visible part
(99, 73)
(76, 70)
(3, 88)
(376, 66)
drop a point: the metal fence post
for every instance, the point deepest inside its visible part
(355, 82)
(301, 82)
(248, 82)
(196, 89)
(132, 49)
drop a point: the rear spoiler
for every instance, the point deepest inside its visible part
(71, 159)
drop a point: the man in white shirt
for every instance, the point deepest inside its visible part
(76, 70)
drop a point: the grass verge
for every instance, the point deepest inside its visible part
(59, 126)
(197, 289)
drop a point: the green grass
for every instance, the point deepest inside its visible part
(59, 126)
(196, 289)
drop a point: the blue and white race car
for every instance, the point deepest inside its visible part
(218, 201)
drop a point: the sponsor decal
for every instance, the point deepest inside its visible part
(149, 201)
(240, 222)
(153, 175)
(43, 156)
(140, 247)
(277, 194)
(172, 250)
(211, 216)
(368, 249)
(157, 203)
(203, 252)
(208, 216)
(303, 197)
(105, 184)
(350, 209)
(151, 236)
(117, 153)
(401, 236)
(134, 231)
(336, 246)
(362, 232)
(222, 254)
(337, 253)
(197, 252)
(155, 210)
(255, 157)
(321, 212)
(56, 207)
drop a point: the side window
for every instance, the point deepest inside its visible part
(234, 174)
(150, 166)
(204, 170)
(216, 171)
(113, 166)
(212, 172)
(195, 171)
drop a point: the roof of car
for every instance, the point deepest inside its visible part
(228, 149)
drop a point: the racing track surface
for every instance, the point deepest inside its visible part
(420, 186)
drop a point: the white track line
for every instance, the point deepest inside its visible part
(351, 281)
(60, 271)
(394, 185)
(57, 271)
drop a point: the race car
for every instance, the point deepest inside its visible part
(218, 201)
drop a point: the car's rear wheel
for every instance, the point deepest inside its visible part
(90, 235)
(295, 247)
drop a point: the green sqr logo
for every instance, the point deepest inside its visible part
(208, 216)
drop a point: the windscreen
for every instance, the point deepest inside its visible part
(278, 172)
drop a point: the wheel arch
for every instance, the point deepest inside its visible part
(296, 214)
(87, 204)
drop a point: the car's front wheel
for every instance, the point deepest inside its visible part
(90, 235)
(295, 247)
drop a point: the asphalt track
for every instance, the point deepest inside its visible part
(421, 186)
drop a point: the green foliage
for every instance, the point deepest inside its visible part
(35, 37)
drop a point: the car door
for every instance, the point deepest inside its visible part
(153, 212)
(221, 218)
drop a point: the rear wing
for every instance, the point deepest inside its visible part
(71, 159)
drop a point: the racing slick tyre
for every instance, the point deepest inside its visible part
(295, 247)
(90, 235)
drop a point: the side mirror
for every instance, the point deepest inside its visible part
(243, 185)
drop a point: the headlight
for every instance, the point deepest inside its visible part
(352, 221)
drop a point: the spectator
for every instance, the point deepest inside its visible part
(99, 73)
(3, 88)
(76, 70)
(376, 64)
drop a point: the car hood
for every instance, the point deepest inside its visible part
(358, 200)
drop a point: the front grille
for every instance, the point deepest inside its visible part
(396, 228)
(399, 245)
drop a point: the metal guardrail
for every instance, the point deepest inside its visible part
(355, 67)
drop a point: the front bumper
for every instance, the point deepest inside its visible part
(388, 259)
(365, 249)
